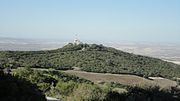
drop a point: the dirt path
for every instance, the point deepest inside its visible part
(51, 99)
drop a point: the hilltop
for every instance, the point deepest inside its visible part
(90, 58)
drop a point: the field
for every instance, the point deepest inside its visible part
(122, 79)
(173, 61)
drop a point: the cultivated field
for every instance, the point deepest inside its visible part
(122, 79)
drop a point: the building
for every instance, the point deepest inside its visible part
(77, 42)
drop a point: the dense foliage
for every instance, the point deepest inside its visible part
(13, 88)
(93, 58)
(75, 89)
(50, 81)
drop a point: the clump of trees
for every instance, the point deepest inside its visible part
(50, 81)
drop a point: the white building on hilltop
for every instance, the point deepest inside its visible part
(77, 41)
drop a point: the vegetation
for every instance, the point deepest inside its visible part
(13, 88)
(92, 58)
(50, 81)
(71, 88)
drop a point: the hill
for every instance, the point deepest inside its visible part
(90, 58)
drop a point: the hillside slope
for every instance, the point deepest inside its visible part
(17, 89)
(93, 58)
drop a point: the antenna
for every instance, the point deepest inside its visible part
(76, 36)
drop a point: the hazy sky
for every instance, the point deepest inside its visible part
(100, 20)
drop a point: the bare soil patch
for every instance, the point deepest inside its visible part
(122, 79)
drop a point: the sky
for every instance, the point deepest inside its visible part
(98, 20)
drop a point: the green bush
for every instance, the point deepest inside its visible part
(87, 92)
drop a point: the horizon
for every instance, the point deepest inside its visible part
(71, 40)
(103, 20)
